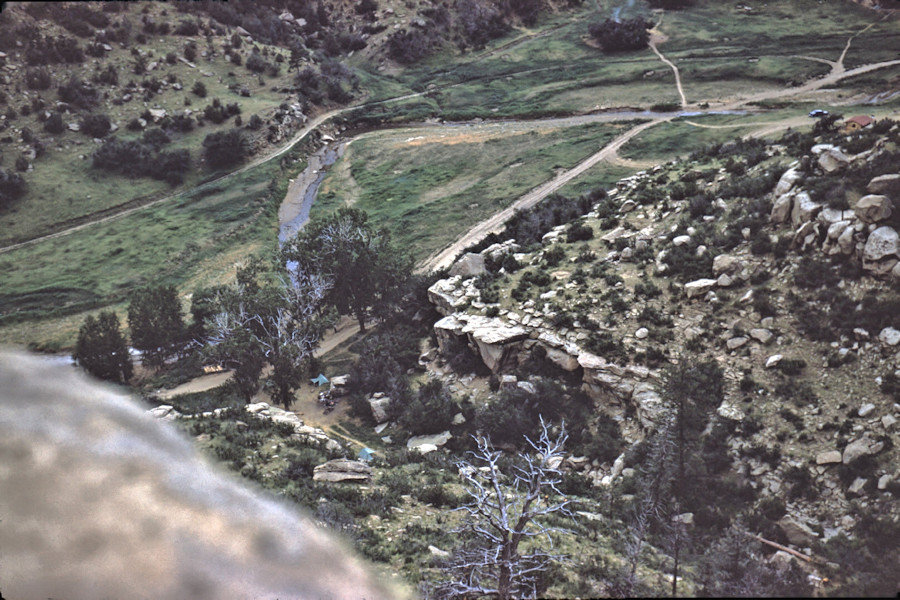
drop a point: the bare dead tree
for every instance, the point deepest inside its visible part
(280, 325)
(502, 516)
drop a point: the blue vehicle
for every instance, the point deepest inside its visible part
(815, 114)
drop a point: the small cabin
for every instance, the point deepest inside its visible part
(856, 123)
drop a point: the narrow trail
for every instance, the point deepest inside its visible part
(656, 37)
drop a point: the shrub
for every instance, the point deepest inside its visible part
(621, 36)
(12, 187)
(38, 78)
(78, 93)
(199, 89)
(95, 125)
(54, 124)
(187, 27)
(579, 232)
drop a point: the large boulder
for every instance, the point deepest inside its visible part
(469, 265)
(342, 469)
(884, 184)
(497, 341)
(725, 263)
(787, 181)
(379, 408)
(804, 210)
(781, 208)
(797, 532)
(436, 440)
(699, 287)
(883, 242)
(873, 208)
(832, 160)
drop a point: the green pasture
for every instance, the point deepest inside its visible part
(677, 138)
(191, 241)
(430, 191)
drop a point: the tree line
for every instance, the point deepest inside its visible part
(275, 312)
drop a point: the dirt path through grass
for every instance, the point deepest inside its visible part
(656, 37)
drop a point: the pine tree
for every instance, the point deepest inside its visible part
(101, 348)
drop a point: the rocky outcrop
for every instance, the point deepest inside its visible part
(445, 295)
(342, 469)
(301, 430)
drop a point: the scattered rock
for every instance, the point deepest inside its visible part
(437, 552)
(883, 481)
(889, 336)
(641, 333)
(736, 342)
(831, 457)
(681, 240)
(861, 447)
(763, 336)
(866, 409)
(725, 263)
(773, 361)
(883, 184)
(857, 486)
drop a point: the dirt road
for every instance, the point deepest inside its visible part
(445, 257)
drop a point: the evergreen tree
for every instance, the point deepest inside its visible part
(156, 323)
(101, 348)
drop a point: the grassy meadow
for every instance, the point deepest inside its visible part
(428, 186)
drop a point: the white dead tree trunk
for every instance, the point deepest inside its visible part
(502, 516)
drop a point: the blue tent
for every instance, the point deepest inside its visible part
(365, 454)
(320, 380)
